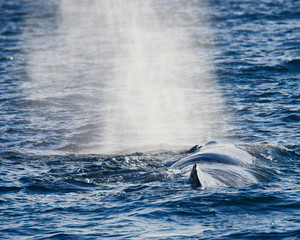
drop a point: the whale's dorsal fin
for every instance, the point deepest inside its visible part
(194, 180)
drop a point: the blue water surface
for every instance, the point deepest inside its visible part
(49, 189)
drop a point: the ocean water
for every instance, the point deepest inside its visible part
(99, 98)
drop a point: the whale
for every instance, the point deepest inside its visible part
(216, 164)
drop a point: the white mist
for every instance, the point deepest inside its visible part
(140, 73)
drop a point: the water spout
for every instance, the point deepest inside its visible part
(141, 73)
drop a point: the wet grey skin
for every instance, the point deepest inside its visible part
(199, 157)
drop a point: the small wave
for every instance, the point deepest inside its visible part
(6, 189)
(293, 65)
(291, 118)
(46, 188)
(273, 153)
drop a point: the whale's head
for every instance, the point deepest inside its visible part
(194, 149)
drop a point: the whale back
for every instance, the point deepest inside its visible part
(214, 152)
(205, 158)
(217, 165)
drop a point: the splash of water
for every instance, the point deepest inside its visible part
(128, 75)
